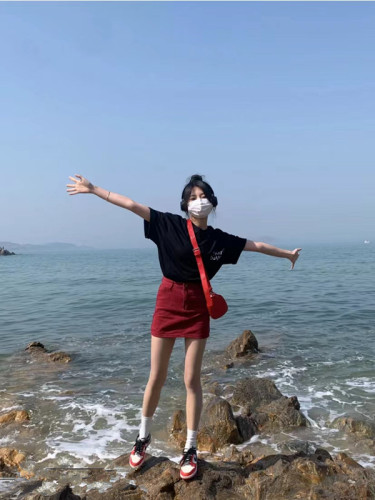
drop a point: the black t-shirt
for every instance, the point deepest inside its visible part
(176, 256)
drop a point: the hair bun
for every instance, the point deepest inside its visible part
(196, 177)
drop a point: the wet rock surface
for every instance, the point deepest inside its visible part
(236, 475)
(229, 466)
(360, 428)
(14, 416)
(40, 353)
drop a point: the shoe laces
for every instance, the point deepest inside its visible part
(139, 445)
(187, 456)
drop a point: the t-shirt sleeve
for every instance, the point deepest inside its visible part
(154, 228)
(233, 246)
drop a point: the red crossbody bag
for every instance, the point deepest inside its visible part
(216, 304)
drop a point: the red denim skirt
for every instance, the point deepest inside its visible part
(180, 311)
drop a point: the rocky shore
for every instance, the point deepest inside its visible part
(230, 466)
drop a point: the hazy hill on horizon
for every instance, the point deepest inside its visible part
(46, 247)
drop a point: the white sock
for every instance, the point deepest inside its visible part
(191, 439)
(145, 427)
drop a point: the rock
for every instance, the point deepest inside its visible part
(213, 481)
(232, 454)
(247, 427)
(11, 457)
(361, 428)
(214, 388)
(365, 446)
(35, 346)
(3, 251)
(237, 476)
(245, 345)
(218, 427)
(239, 351)
(297, 445)
(314, 477)
(40, 353)
(250, 393)
(121, 490)
(281, 414)
(64, 493)
(265, 407)
(178, 428)
(10, 460)
(22, 490)
(14, 416)
(61, 357)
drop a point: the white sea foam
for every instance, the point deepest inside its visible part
(320, 394)
(10, 408)
(51, 456)
(365, 383)
(94, 428)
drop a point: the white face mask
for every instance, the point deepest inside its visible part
(200, 208)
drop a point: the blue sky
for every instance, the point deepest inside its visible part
(273, 102)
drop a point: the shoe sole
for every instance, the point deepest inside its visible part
(135, 467)
(189, 477)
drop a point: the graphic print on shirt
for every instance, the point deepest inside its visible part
(217, 255)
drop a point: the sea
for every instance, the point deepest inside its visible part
(315, 327)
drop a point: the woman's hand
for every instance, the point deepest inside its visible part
(81, 185)
(294, 256)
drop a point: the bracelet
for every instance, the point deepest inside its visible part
(109, 192)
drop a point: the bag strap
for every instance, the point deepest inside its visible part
(207, 289)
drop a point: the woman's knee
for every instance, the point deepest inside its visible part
(193, 384)
(157, 379)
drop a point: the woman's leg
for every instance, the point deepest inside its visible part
(194, 349)
(161, 349)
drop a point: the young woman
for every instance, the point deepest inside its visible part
(180, 304)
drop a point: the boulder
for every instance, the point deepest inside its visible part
(11, 457)
(281, 414)
(264, 409)
(250, 393)
(360, 428)
(10, 460)
(241, 350)
(40, 353)
(218, 427)
(14, 416)
(314, 477)
(244, 345)
(247, 427)
(4, 251)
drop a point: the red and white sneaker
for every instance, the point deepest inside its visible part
(189, 464)
(137, 455)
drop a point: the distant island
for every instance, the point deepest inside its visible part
(48, 247)
(4, 251)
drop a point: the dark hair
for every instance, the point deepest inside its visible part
(197, 181)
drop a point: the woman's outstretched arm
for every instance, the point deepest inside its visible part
(83, 185)
(259, 246)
